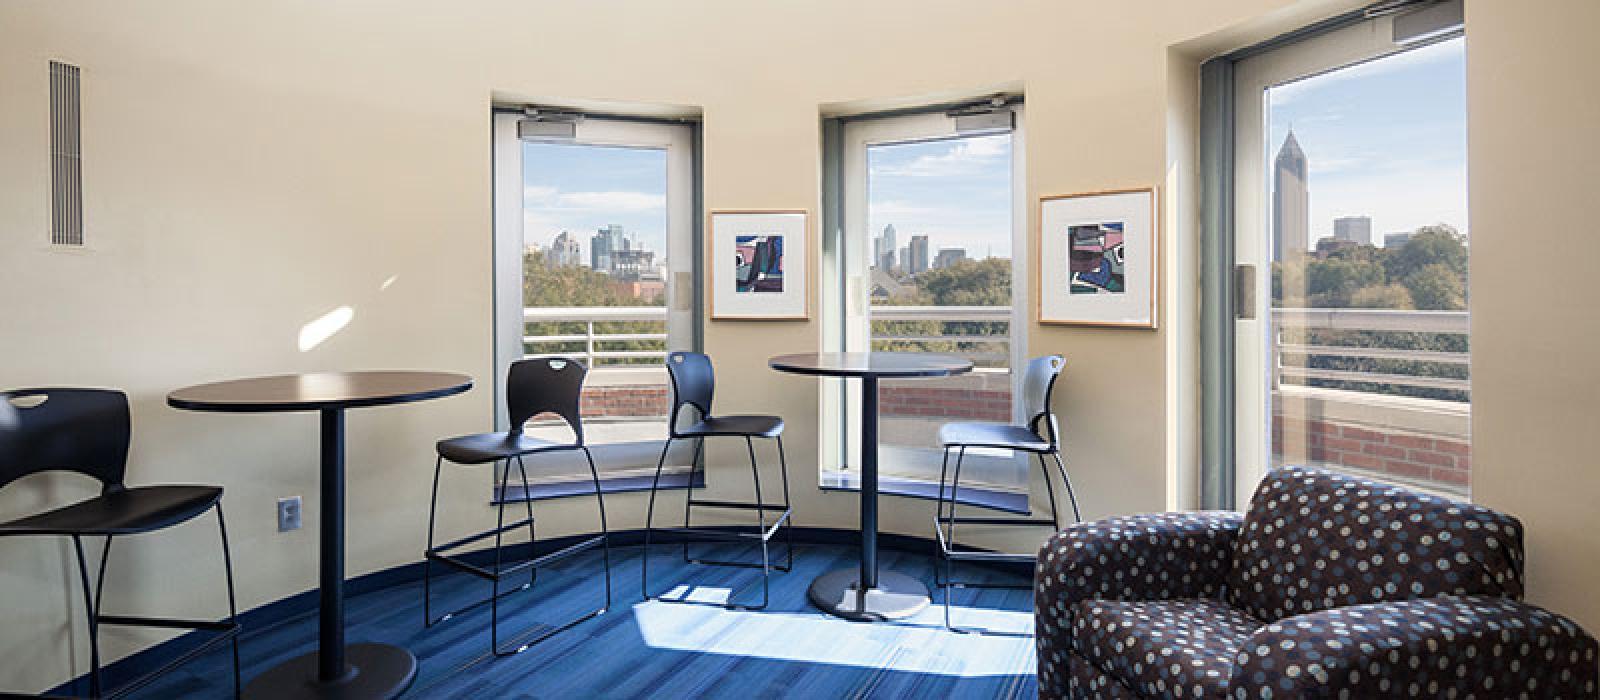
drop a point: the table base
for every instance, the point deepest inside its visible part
(897, 595)
(375, 671)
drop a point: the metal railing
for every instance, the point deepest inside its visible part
(946, 315)
(589, 316)
(1389, 320)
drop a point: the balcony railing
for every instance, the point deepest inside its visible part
(1289, 339)
(995, 349)
(595, 344)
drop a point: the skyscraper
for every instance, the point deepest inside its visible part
(917, 255)
(602, 244)
(1291, 202)
(948, 257)
(883, 249)
(1356, 229)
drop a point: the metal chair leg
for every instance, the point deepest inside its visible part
(649, 515)
(427, 561)
(788, 525)
(233, 603)
(939, 518)
(494, 583)
(949, 574)
(1076, 516)
(605, 530)
(761, 526)
(688, 494)
(533, 534)
(93, 618)
(1050, 492)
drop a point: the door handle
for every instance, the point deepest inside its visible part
(1244, 292)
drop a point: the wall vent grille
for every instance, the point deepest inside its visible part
(66, 166)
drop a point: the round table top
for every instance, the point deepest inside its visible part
(870, 364)
(319, 390)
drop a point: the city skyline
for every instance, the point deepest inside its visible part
(582, 189)
(957, 192)
(1384, 139)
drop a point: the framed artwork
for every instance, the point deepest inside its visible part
(759, 265)
(1098, 257)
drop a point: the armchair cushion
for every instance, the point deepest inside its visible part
(1315, 540)
(1181, 647)
(1141, 557)
(1438, 647)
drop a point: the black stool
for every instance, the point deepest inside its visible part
(87, 431)
(692, 385)
(533, 387)
(1039, 437)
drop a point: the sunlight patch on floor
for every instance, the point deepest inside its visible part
(1007, 649)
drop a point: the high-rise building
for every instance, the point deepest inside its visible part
(1396, 240)
(916, 261)
(602, 244)
(883, 249)
(564, 251)
(1291, 202)
(948, 257)
(1356, 229)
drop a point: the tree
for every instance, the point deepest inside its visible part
(985, 282)
(1436, 286)
(1437, 244)
(1384, 296)
(567, 286)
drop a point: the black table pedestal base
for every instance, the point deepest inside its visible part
(897, 595)
(374, 671)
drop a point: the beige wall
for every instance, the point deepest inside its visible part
(250, 167)
(1533, 141)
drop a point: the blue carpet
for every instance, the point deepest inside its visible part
(664, 649)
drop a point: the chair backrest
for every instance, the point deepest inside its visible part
(1314, 540)
(1038, 383)
(77, 430)
(546, 385)
(693, 383)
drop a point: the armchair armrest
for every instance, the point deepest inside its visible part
(1434, 647)
(1137, 557)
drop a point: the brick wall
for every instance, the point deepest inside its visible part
(626, 400)
(943, 402)
(1403, 454)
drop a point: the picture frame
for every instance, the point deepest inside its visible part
(760, 264)
(1099, 258)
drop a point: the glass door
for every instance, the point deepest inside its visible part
(931, 259)
(595, 260)
(1351, 209)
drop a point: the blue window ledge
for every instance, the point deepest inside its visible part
(585, 486)
(1006, 501)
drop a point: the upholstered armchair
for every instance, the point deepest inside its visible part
(1329, 586)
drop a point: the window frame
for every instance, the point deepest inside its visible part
(845, 271)
(681, 140)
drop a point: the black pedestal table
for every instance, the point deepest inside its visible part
(334, 670)
(868, 593)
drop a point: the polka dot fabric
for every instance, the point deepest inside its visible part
(1163, 648)
(1331, 587)
(1315, 540)
(1446, 647)
(1141, 557)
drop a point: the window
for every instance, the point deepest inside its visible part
(1351, 201)
(930, 260)
(595, 258)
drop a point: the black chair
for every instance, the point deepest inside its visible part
(692, 385)
(1039, 437)
(87, 431)
(533, 387)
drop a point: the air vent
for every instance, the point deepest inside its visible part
(66, 171)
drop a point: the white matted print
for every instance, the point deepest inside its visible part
(1097, 259)
(759, 264)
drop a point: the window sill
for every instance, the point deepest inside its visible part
(608, 484)
(994, 499)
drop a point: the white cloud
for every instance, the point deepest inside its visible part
(962, 157)
(551, 198)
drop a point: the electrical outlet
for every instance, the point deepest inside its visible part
(288, 514)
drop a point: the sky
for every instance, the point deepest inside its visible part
(956, 191)
(1386, 139)
(581, 188)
